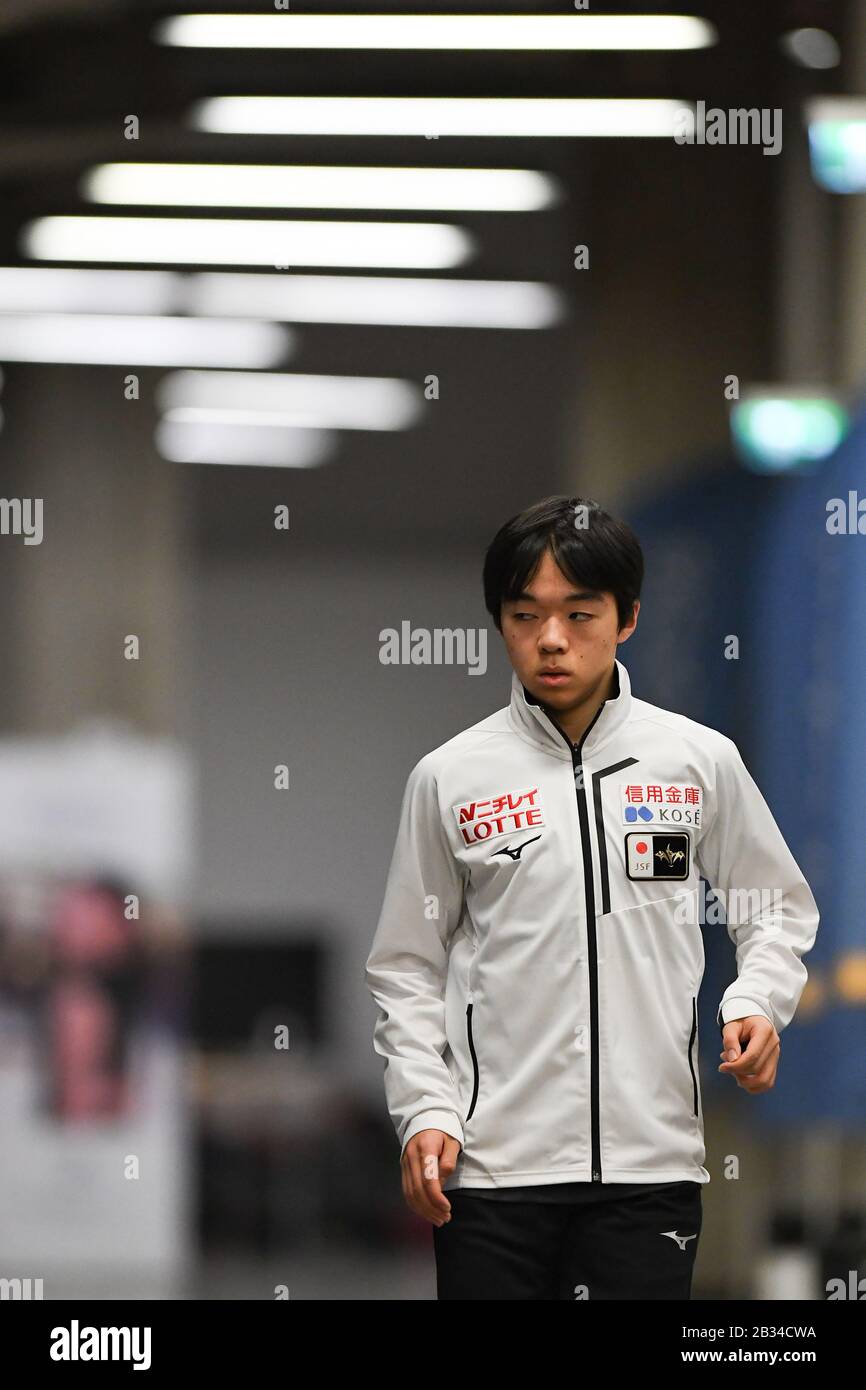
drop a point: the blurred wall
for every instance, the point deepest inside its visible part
(111, 563)
(288, 672)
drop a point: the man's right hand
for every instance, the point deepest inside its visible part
(427, 1160)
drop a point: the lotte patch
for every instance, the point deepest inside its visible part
(501, 814)
(656, 856)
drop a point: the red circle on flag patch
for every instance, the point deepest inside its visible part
(641, 846)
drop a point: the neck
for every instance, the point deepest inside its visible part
(575, 720)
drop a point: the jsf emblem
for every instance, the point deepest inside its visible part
(479, 821)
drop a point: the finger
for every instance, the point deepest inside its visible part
(747, 1065)
(450, 1155)
(408, 1187)
(760, 1046)
(432, 1178)
(754, 1088)
(763, 1078)
(757, 1081)
(420, 1187)
(417, 1195)
(772, 1045)
(731, 1039)
(770, 1056)
(437, 1201)
(406, 1179)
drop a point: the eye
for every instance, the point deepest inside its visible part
(523, 615)
(580, 615)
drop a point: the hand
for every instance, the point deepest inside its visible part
(429, 1157)
(755, 1068)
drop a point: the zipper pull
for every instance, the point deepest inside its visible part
(577, 769)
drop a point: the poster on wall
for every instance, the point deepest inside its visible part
(95, 864)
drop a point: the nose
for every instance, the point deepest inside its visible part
(553, 636)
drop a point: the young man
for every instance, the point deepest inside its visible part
(538, 957)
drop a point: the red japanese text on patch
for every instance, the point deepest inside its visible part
(484, 819)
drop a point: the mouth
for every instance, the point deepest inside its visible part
(553, 676)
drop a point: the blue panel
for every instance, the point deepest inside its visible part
(753, 557)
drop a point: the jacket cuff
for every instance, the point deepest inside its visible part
(739, 1007)
(445, 1120)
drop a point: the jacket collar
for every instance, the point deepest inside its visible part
(528, 718)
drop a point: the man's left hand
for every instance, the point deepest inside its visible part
(750, 1052)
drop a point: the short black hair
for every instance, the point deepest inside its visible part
(589, 545)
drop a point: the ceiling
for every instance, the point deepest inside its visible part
(70, 70)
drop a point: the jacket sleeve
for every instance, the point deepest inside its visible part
(772, 917)
(407, 966)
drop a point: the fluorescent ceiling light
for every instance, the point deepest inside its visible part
(141, 341)
(812, 48)
(396, 300)
(320, 186)
(501, 116)
(260, 399)
(274, 448)
(436, 31)
(231, 241)
(28, 289)
(383, 299)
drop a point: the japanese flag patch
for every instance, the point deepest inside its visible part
(656, 856)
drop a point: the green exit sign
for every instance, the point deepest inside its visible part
(837, 143)
(787, 431)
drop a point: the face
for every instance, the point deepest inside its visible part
(558, 625)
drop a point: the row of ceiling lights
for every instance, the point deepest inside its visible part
(189, 430)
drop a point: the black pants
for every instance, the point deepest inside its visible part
(588, 1250)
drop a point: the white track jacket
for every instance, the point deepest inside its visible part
(539, 954)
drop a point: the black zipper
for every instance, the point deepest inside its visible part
(474, 1062)
(592, 945)
(691, 1045)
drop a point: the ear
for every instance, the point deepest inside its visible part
(630, 626)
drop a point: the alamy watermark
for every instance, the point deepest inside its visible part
(16, 518)
(854, 1289)
(77, 1343)
(753, 125)
(737, 905)
(20, 1290)
(438, 646)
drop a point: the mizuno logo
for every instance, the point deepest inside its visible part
(515, 853)
(680, 1240)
